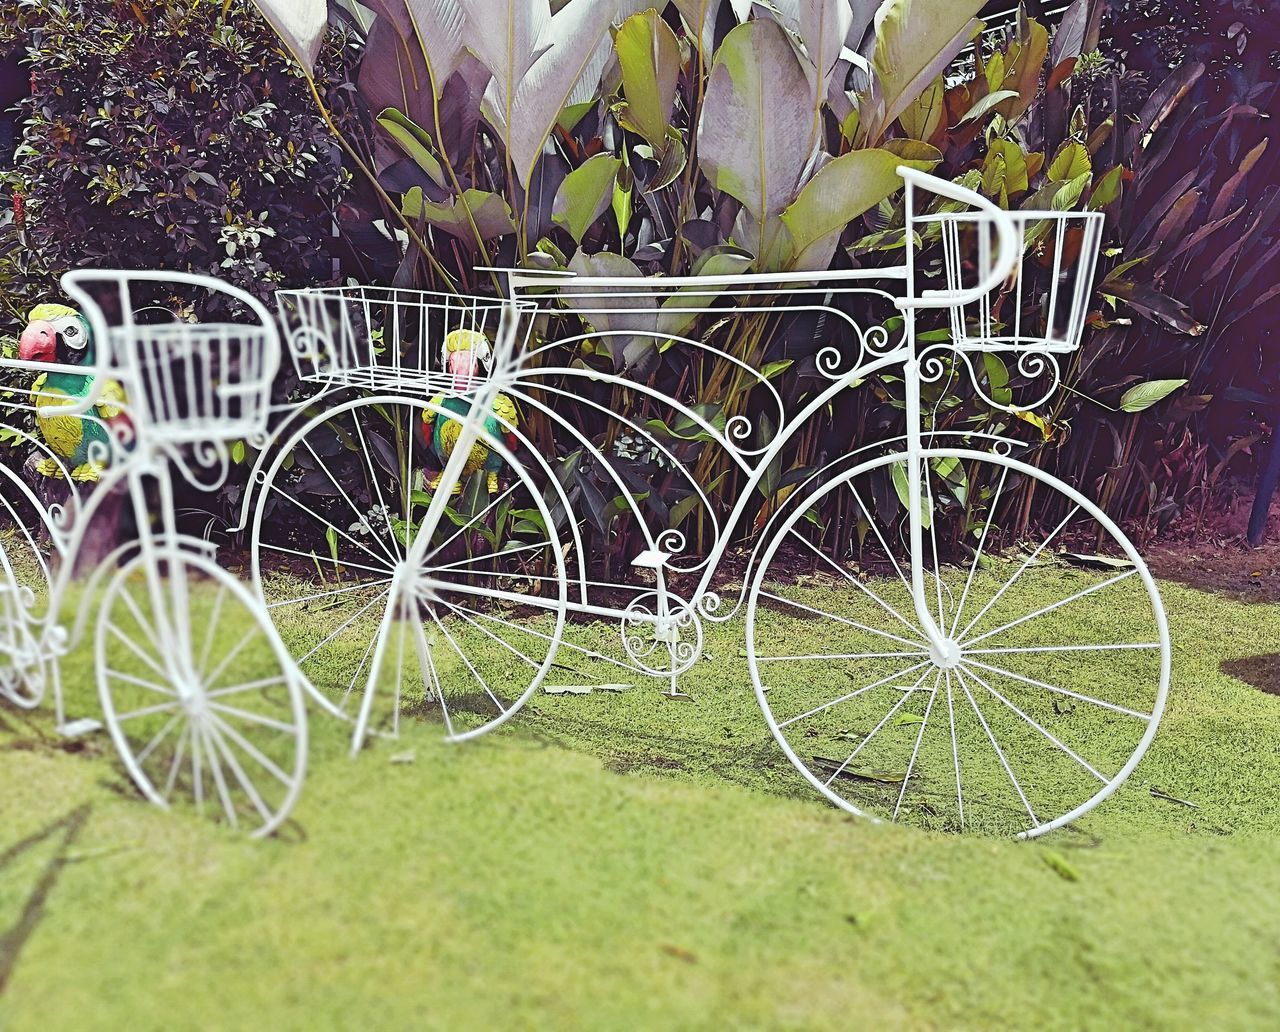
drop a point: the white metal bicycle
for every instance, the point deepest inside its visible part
(201, 700)
(977, 684)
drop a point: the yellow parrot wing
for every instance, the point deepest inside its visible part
(112, 401)
(505, 409)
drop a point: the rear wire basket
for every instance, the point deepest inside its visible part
(386, 338)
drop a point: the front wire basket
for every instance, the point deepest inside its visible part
(1045, 301)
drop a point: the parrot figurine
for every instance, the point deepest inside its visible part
(464, 352)
(60, 335)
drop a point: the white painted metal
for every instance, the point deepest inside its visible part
(222, 717)
(409, 583)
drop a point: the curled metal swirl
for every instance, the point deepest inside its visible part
(212, 457)
(639, 633)
(671, 541)
(937, 361)
(738, 428)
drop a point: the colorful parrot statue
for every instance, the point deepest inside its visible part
(464, 352)
(61, 335)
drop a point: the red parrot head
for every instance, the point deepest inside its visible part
(55, 333)
(465, 351)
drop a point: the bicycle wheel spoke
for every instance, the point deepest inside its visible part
(933, 541)
(254, 718)
(875, 528)
(429, 674)
(1026, 565)
(127, 643)
(1035, 724)
(471, 522)
(484, 630)
(160, 736)
(252, 686)
(219, 781)
(178, 754)
(1059, 691)
(855, 582)
(822, 656)
(876, 730)
(484, 685)
(955, 748)
(840, 619)
(392, 557)
(197, 770)
(1093, 589)
(911, 764)
(144, 625)
(370, 466)
(905, 672)
(344, 625)
(996, 746)
(246, 746)
(293, 500)
(359, 586)
(977, 553)
(246, 785)
(315, 557)
(503, 554)
(1137, 646)
(230, 657)
(139, 682)
(203, 663)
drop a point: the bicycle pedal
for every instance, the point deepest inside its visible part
(79, 728)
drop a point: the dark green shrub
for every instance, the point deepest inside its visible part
(167, 135)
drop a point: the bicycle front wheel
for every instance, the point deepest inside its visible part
(201, 699)
(1048, 686)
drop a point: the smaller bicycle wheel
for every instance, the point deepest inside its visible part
(201, 699)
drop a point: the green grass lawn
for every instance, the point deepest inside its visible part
(614, 860)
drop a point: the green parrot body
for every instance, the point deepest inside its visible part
(61, 335)
(463, 353)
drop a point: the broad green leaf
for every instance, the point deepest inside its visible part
(1142, 396)
(584, 194)
(681, 309)
(754, 131)
(649, 57)
(844, 189)
(1071, 162)
(414, 141)
(1107, 189)
(915, 43)
(902, 488)
(987, 103)
(922, 116)
(491, 214)
(1026, 62)
(1039, 422)
(915, 152)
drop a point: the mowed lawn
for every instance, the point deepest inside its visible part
(616, 860)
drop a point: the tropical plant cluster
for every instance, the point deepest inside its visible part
(670, 137)
(701, 137)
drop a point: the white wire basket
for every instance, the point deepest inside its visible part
(1043, 304)
(195, 382)
(388, 338)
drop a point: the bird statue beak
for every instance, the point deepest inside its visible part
(38, 343)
